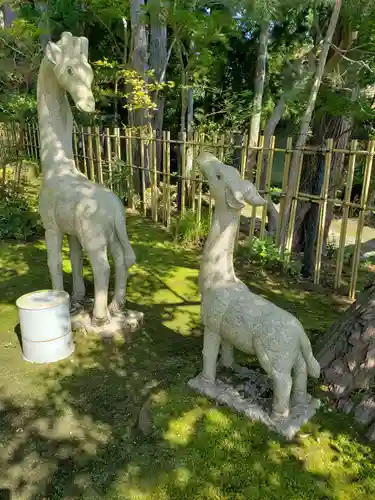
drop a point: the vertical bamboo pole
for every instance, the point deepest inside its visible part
(221, 147)
(35, 131)
(90, 154)
(243, 156)
(194, 171)
(183, 172)
(257, 184)
(361, 219)
(129, 152)
(323, 211)
(168, 178)
(242, 173)
(267, 187)
(119, 172)
(142, 166)
(99, 155)
(75, 146)
(285, 252)
(154, 177)
(164, 166)
(345, 213)
(26, 140)
(84, 152)
(210, 201)
(200, 182)
(32, 146)
(109, 156)
(288, 157)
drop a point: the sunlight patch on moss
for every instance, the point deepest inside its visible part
(181, 430)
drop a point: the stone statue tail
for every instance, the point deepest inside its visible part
(120, 226)
(313, 367)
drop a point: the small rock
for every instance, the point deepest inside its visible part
(370, 434)
(365, 411)
(345, 405)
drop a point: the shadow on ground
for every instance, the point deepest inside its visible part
(69, 430)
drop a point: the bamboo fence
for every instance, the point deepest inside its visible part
(157, 181)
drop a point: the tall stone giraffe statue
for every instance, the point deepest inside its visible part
(90, 214)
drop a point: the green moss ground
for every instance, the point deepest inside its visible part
(67, 430)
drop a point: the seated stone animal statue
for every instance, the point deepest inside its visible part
(235, 317)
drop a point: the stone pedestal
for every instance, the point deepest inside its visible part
(250, 392)
(123, 324)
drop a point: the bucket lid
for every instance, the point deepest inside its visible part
(42, 299)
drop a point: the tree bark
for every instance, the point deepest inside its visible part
(269, 131)
(347, 356)
(305, 124)
(258, 96)
(139, 62)
(158, 55)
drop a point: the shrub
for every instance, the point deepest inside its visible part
(188, 231)
(19, 217)
(267, 254)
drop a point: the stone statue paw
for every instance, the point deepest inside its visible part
(98, 322)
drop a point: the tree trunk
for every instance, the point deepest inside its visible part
(347, 358)
(158, 55)
(258, 96)
(9, 15)
(44, 26)
(269, 131)
(139, 62)
(305, 124)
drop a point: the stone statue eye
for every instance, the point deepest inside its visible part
(70, 71)
(218, 177)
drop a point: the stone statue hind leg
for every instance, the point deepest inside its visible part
(299, 390)
(121, 276)
(281, 379)
(76, 259)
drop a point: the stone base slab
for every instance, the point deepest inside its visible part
(249, 392)
(121, 324)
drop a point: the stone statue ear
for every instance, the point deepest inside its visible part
(53, 53)
(242, 192)
(234, 198)
(84, 46)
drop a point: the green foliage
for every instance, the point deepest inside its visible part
(265, 253)
(19, 217)
(189, 232)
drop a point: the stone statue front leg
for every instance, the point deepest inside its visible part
(76, 259)
(101, 270)
(299, 389)
(211, 346)
(227, 354)
(54, 240)
(282, 385)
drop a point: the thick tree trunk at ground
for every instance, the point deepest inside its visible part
(347, 359)
(258, 95)
(305, 123)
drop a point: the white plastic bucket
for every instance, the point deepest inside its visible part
(46, 328)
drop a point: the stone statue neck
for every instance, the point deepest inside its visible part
(217, 259)
(55, 123)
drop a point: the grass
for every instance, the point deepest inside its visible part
(68, 429)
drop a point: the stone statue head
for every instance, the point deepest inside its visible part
(226, 185)
(69, 57)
